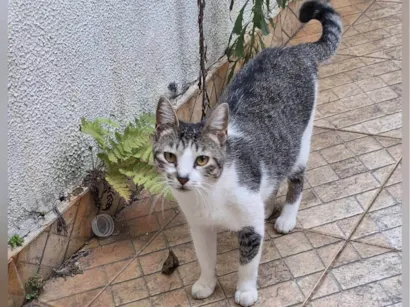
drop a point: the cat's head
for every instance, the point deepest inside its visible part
(190, 155)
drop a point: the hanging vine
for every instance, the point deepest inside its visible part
(202, 53)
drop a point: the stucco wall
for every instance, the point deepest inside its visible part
(69, 59)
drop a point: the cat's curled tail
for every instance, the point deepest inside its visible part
(327, 45)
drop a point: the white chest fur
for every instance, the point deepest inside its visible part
(225, 205)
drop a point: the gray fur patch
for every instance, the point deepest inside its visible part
(249, 243)
(271, 100)
(295, 183)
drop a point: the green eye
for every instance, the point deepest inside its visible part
(170, 157)
(201, 160)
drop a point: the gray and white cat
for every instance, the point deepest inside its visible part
(225, 171)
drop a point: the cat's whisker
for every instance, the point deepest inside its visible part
(152, 206)
(206, 184)
(208, 191)
(162, 208)
(204, 199)
(196, 196)
(155, 198)
(201, 198)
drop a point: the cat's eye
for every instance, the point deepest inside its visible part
(170, 157)
(201, 160)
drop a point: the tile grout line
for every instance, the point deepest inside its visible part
(156, 235)
(369, 171)
(341, 219)
(320, 233)
(142, 272)
(363, 258)
(344, 143)
(169, 247)
(366, 56)
(357, 157)
(390, 248)
(357, 132)
(129, 262)
(374, 104)
(379, 230)
(354, 69)
(362, 285)
(350, 236)
(363, 13)
(306, 230)
(283, 258)
(387, 293)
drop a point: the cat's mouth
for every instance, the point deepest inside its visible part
(182, 189)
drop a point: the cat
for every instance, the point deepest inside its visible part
(224, 171)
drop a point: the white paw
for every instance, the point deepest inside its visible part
(246, 298)
(202, 290)
(285, 224)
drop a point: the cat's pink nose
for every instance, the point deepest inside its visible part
(182, 180)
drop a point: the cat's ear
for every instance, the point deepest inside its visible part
(217, 123)
(166, 118)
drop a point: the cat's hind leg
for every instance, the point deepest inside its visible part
(286, 222)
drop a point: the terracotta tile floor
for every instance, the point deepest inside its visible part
(346, 250)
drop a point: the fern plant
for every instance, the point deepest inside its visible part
(246, 39)
(127, 155)
(16, 241)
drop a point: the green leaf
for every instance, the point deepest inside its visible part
(264, 27)
(145, 153)
(120, 184)
(239, 46)
(111, 157)
(16, 241)
(258, 18)
(108, 122)
(238, 22)
(258, 10)
(94, 129)
(104, 157)
(118, 136)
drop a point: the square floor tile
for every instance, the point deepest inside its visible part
(304, 263)
(368, 270)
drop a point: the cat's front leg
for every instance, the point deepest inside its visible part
(250, 247)
(205, 247)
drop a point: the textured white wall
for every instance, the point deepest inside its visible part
(69, 59)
